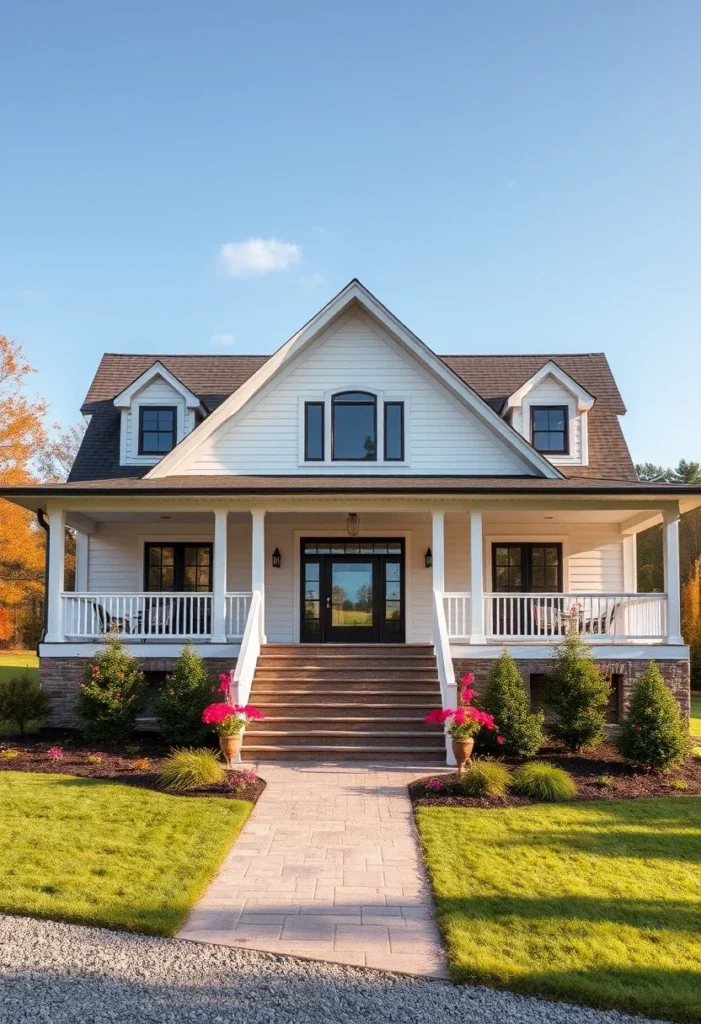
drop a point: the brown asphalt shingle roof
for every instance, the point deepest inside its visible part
(214, 377)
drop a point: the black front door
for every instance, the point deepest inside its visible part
(352, 591)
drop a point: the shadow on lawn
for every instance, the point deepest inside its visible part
(672, 915)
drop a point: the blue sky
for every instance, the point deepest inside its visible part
(505, 176)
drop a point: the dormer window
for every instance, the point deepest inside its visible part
(354, 427)
(549, 429)
(157, 429)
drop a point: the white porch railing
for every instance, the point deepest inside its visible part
(162, 616)
(544, 617)
(237, 606)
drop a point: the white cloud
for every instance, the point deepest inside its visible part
(258, 256)
(223, 339)
(314, 280)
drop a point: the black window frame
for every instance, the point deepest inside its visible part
(178, 564)
(565, 450)
(174, 432)
(394, 458)
(307, 456)
(334, 402)
(527, 565)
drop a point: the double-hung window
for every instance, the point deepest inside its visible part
(157, 429)
(549, 432)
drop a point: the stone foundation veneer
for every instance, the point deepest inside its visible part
(60, 678)
(674, 673)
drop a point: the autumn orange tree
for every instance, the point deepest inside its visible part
(23, 437)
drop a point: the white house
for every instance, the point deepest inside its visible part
(351, 522)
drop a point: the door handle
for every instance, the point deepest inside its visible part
(328, 602)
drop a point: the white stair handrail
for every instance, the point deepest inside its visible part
(242, 676)
(444, 663)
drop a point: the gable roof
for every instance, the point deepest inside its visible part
(213, 378)
(551, 369)
(157, 369)
(352, 296)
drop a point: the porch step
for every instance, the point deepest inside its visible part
(413, 755)
(356, 701)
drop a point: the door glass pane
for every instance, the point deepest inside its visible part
(351, 594)
(312, 574)
(393, 597)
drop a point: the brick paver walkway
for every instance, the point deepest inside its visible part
(327, 867)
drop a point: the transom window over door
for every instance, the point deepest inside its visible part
(354, 426)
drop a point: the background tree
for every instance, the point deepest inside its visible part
(649, 473)
(22, 438)
(55, 460)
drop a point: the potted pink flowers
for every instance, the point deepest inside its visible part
(462, 723)
(229, 720)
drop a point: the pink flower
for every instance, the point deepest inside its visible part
(468, 679)
(215, 714)
(434, 784)
(55, 753)
(467, 695)
(433, 717)
(95, 671)
(500, 740)
(251, 713)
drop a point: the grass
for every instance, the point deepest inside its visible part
(106, 854)
(12, 663)
(695, 722)
(593, 903)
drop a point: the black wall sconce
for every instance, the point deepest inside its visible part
(428, 558)
(277, 559)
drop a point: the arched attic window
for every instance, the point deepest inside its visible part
(354, 426)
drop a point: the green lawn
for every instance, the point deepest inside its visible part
(695, 723)
(108, 854)
(593, 903)
(15, 662)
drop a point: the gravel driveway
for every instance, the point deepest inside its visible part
(56, 973)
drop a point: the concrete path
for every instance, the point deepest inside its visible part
(327, 867)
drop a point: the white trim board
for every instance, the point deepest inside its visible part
(144, 650)
(545, 651)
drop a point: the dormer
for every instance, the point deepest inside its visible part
(551, 411)
(156, 412)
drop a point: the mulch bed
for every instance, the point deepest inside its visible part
(585, 768)
(116, 765)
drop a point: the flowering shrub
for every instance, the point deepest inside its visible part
(238, 781)
(142, 764)
(8, 755)
(463, 722)
(181, 698)
(111, 693)
(95, 758)
(435, 785)
(54, 753)
(230, 719)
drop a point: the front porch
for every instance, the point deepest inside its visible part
(446, 576)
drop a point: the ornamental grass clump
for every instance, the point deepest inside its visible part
(578, 693)
(185, 691)
(484, 778)
(652, 733)
(111, 694)
(542, 781)
(190, 768)
(518, 731)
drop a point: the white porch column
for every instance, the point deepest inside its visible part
(258, 561)
(438, 550)
(477, 634)
(221, 522)
(81, 562)
(630, 563)
(55, 582)
(672, 580)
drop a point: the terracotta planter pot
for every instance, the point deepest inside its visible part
(231, 747)
(462, 749)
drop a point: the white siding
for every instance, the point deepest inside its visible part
(441, 435)
(550, 392)
(156, 392)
